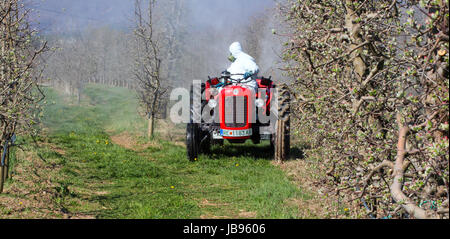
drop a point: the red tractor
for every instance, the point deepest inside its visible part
(228, 109)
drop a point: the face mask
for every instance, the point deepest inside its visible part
(232, 58)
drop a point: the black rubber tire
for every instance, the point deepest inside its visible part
(205, 147)
(192, 141)
(218, 142)
(192, 132)
(282, 135)
(272, 144)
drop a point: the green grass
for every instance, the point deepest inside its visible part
(101, 109)
(109, 181)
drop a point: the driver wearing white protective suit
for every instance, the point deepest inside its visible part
(243, 67)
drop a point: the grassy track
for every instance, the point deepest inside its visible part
(154, 179)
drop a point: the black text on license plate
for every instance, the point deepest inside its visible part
(236, 133)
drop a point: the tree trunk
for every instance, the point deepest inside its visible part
(398, 174)
(1, 179)
(151, 126)
(6, 173)
(354, 30)
(79, 96)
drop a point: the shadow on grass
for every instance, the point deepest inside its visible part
(297, 153)
(257, 152)
(245, 150)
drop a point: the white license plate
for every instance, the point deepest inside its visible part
(217, 135)
(236, 133)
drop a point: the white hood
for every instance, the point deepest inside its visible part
(244, 62)
(235, 49)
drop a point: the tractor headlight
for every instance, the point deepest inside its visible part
(259, 103)
(212, 103)
(214, 91)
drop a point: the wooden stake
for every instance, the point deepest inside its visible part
(2, 175)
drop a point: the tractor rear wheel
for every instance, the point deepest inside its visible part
(218, 142)
(192, 141)
(281, 139)
(193, 131)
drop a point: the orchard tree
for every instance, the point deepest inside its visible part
(148, 62)
(19, 75)
(372, 92)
